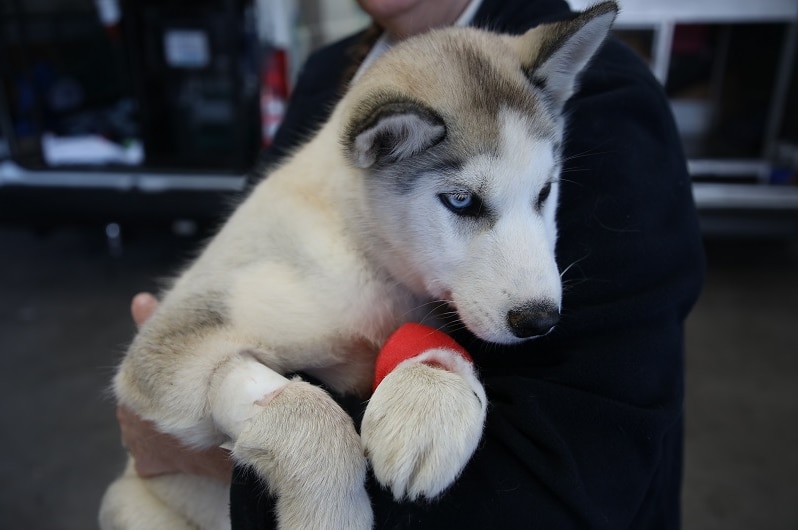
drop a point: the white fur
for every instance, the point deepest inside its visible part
(325, 259)
(416, 137)
(561, 69)
(236, 394)
(179, 502)
(486, 274)
(424, 460)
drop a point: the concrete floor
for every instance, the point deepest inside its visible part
(64, 323)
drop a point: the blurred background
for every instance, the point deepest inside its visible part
(128, 126)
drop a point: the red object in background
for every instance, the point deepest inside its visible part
(691, 39)
(273, 93)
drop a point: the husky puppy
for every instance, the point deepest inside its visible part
(435, 178)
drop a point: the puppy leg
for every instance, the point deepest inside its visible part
(129, 505)
(295, 436)
(423, 423)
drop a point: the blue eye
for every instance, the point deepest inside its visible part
(459, 201)
(462, 203)
(544, 194)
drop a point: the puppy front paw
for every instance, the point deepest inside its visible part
(421, 427)
(307, 450)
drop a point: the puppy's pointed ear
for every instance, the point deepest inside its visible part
(553, 55)
(391, 132)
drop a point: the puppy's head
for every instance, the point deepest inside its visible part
(458, 133)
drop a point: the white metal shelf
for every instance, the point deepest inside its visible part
(763, 197)
(661, 17)
(651, 12)
(12, 174)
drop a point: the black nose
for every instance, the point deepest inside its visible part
(531, 320)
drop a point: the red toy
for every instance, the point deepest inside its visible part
(422, 344)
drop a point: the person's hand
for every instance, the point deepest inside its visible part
(156, 453)
(142, 307)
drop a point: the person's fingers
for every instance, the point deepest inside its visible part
(152, 451)
(156, 453)
(142, 307)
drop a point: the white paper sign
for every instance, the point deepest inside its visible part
(186, 48)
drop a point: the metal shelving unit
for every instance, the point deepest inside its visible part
(728, 185)
(25, 26)
(721, 187)
(12, 174)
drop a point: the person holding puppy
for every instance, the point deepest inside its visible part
(585, 425)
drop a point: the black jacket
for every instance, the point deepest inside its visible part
(585, 426)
